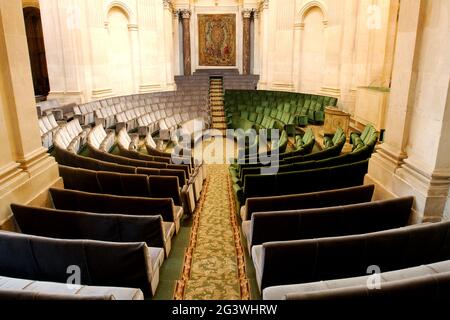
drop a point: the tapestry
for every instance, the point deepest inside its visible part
(217, 39)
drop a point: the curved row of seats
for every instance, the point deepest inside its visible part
(111, 178)
(48, 126)
(118, 244)
(297, 244)
(274, 110)
(307, 162)
(192, 176)
(71, 136)
(145, 112)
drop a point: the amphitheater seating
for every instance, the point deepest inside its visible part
(326, 222)
(335, 140)
(329, 198)
(100, 139)
(48, 127)
(357, 155)
(238, 173)
(303, 144)
(368, 137)
(128, 184)
(168, 181)
(45, 108)
(146, 112)
(328, 178)
(269, 109)
(71, 136)
(128, 146)
(129, 265)
(303, 261)
(66, 224)
(193, 179)
(103, 203)
(431, 281)
(21, 289)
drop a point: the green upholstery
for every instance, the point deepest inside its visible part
(337, 138)
(301, 108)
(281, 144)
(369, 137)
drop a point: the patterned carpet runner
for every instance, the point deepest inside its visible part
(214, 263)
(216, 104)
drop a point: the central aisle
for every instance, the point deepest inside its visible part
(214, 263)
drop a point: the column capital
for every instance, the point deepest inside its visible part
(247, 13)
(264, 4)
(133, 27)
(185, 13)
(167, 4)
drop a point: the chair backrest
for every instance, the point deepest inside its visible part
(100, 263)
(344, 176)
(63, 224)
(330, 198)
(303, 261)
(330, 221)
(102, 203)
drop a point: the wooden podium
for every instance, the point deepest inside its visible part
(335, 118)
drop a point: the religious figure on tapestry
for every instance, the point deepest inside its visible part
(217, 39)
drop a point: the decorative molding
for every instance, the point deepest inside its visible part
(186, 14)
(312, 4)
(264, 4)
(145, 88)
(282, 86)
(133, 27)
(30, 3)
(101, 93)
(247, 13)
(130, 14)
(299, 26)
(167, 4)
(331, 91)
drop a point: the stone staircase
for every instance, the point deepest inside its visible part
(216, 104)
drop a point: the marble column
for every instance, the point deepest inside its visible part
(186, 18)
(26, 169)
(247, 15)
(256, 56)
(413, 160)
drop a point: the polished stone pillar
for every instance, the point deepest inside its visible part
(186, 18)
(247, 15)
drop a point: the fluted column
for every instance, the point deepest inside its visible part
(247, 15)
(186, 18)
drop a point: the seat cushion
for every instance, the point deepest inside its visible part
(279, 292)
(54, 288)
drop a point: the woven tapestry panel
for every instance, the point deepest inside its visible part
(217, 39)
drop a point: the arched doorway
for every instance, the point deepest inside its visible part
(36, 48)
